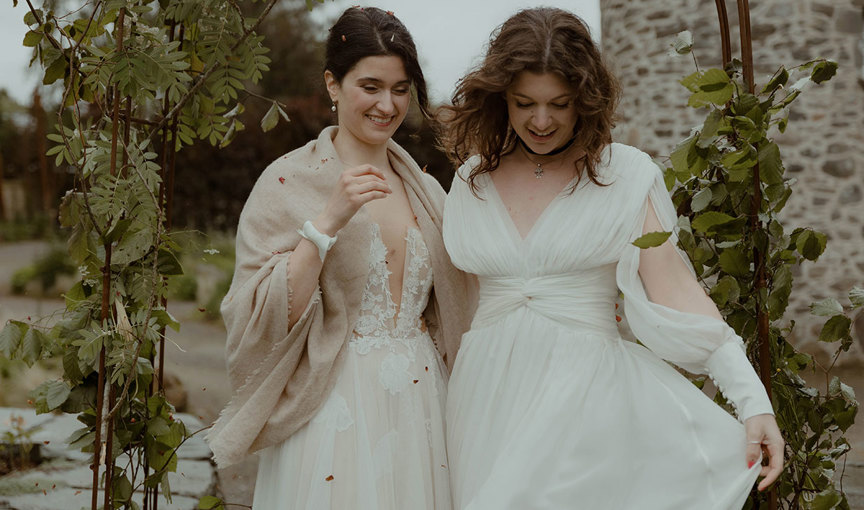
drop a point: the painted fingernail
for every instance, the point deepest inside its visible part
(750, 464)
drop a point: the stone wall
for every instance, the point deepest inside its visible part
(823, 146)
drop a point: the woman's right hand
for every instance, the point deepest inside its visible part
(356, 186)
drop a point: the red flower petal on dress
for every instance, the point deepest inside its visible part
(618, 318)
(427, 369)
(416, 381)
(616, 306)
(281, 180)
(325, 160)
(329, 478)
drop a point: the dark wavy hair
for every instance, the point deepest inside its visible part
(541, 40)
(371, 32)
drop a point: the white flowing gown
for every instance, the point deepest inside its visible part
(548, 407)
(378, 441)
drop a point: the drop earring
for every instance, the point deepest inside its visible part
(333, 108)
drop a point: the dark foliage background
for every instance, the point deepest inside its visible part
(212, 185)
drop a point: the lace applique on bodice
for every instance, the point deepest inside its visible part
(381, 321)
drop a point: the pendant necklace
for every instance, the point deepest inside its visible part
(538, 171)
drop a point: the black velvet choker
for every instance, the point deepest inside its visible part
(553, 152)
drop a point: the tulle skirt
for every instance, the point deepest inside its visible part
(376, 444)
(544, 417)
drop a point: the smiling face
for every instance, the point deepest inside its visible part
(372, 98)
(541, 110)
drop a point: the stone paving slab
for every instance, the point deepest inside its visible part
(72, 499)
(63, 481)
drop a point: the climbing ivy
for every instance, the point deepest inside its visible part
(728, 183)
(140, 81)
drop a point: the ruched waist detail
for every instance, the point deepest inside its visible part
(582, 300)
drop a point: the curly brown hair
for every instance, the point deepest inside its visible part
(539, 40)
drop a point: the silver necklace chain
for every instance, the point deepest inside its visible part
(538, 170)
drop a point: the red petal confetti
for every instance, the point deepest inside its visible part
(132, 420)
(202, 310)
(77, 493)
(325, 160)
(416, 381)
(616, 306)
(46, 442)
(329, 478)
(343, 38)
(427, 369)
(390, 13)
(54, 486)
(30, 402)
(281, 180)
(424, 168)
(44, 492)
(203, 389)
(37, 484)
(618, 318)
(28, 317)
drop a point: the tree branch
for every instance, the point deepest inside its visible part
(203, 77)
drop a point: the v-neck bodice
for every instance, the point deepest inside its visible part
(495, 196)
(381, 318)
(580, 229)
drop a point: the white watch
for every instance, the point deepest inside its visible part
(322, 241)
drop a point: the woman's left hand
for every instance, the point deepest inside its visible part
(764, 435)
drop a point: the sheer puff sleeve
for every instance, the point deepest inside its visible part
(685, 328)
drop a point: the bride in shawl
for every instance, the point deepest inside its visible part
(333, 313)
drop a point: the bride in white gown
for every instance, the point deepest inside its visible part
(548, 407)
(332, 342)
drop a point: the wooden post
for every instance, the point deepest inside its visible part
(45, 182)
(2, 204)
(106, 314)
(760, 283)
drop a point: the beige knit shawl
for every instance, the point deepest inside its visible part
(281, 376)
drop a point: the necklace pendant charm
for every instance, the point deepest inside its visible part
(538, 172)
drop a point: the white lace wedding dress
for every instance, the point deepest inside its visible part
(378, 441)
(548, 408)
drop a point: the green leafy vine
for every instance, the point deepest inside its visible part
(725, 216)
(141, 80)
